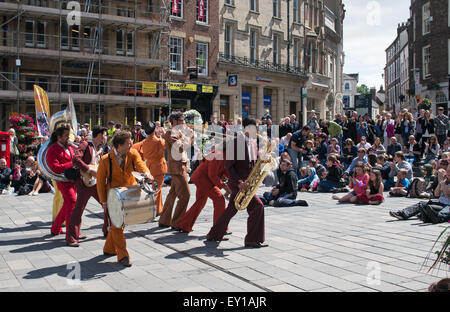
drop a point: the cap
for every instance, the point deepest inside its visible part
(138, 123)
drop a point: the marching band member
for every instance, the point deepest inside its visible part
(115, 170)
(153, 150)
(238, 170)
(176, 143)
(86, 158)
(208, 180)
(59, 158)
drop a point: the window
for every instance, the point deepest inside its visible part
(228, 41)
(202, 11)
(75, 86)
(426, 61)
(75, 35)
(347, 86)
(64, 36)
(176, 8)
(29, 33)
(296, 11)
(253, 47)
(426, 14)
(307, 20)
(130, 43)
(41, 34)
(276, 50)
(119, 42)
(176, 54)
(64, 85)
(88, 44)
(296, 54)
(276, 8)
(253, 6)
(202, 59)
(229, 2)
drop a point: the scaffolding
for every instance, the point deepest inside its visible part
(132, 15)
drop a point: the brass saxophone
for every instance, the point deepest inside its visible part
(255, 179)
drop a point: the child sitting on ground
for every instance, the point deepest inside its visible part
(357, 183)
(374, 192)
(310, 182)
(402, 184)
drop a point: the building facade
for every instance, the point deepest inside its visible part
(269, 50)
(194, 43)
(103, 60)
(429, 51)
(350, 89)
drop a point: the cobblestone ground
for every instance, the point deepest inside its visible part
(324, 247)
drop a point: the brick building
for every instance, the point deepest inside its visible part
(429, 50)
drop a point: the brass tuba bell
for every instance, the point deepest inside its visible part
(66, 116)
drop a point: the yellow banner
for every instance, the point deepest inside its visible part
(148, 87)
(207, 89)
(182, 86)
(42, 110)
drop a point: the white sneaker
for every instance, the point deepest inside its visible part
(35, 193)
(30, 194)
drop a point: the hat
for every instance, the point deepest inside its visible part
(138, 124)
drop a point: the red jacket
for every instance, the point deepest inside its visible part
(58, 159)
(209, 174)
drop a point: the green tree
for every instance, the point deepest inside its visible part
(363, 89)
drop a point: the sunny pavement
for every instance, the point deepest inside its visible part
(324, 247)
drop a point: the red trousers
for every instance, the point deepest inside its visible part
(365, 200)
(69, 194)
(187, 221)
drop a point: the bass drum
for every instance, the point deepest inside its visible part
(130, 205)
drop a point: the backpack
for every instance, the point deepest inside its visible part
(417, 187)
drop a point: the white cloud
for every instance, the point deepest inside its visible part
(369, 28)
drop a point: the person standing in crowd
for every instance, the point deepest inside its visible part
(138, 135)
(285, 127)
(59, 158)
(408, 127)
(13, 147)
(362, 129)
(295, 148)
(314, 125)
(115, 170)
(153, 150)
(441, 123)
(431, 149)
(419, 123)
(294, 124)
(111, 131)
(427, 128)
(86, 158)
(388, 130)
(238, 170)
(334, 130)
(177, 144)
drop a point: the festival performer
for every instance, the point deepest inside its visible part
(59, 158)
(153, 151)
(208, 178)
(115, 170)
(176, 143)
(86, 158)
(238, 170)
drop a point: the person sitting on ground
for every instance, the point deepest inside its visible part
(400, 163)
(377, 148)
(33, 182)
(402, 185)
(17, 175)
(412, 150)
(307, 152)
(442, 286)
(384, 166)
(349, 152)
(320, 170)
(284, 194)
(432, 211)
(431, 149)
(362, 157)
(358, 183)
(374, 192)
(5, 173)
(431, 182)
(364, 144)
(393, 148)
(333, 178)
(334, 147)
(310, 182)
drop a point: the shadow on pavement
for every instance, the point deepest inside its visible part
(34, 225)
(89, 269)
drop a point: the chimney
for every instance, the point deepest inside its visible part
(373, 91)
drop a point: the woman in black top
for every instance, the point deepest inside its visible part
(349, 152)
(333, 179)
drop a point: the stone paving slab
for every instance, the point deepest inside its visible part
(324, 247)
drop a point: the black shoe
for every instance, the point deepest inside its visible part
(125, 261)
(211, 239)
(163, 225)
(300, 202)
(228, 233)
(396, 215)
(108, 254)
(73, 244)
(256, 245)
(431, 214)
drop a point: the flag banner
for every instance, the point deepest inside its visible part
(201, 9)
(175, 7)
(42, 110)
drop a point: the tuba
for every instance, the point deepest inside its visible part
(255, 179)
(66, 116)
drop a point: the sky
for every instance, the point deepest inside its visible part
(369, 28)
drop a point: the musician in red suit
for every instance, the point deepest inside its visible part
(59, 159)
(87, 157)
(244, 157)
(208, 180)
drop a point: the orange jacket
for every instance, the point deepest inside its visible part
(138, 147)
(153, 150)
(119, 177)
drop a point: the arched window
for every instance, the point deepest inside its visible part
(347, 86)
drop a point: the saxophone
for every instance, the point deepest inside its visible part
(255, 179)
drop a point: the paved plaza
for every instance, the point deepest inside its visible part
(326, 247)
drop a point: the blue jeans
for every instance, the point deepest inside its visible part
(444, 214)
(410, 159)
(296, 158)
(328, 186)
(283, 200)
(388, 184)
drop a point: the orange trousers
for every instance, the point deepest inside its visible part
(115, 243)
(158, 195)
(187, 221)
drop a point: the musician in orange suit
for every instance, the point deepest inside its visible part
(138, 147)
(124, 161)
(208, 180)
(153, 150)
(59, 159)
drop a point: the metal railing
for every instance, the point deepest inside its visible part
(264, 65)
